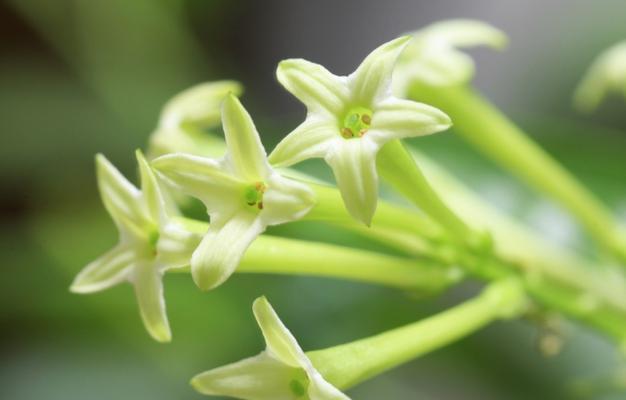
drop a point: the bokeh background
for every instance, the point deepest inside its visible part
(79, 77)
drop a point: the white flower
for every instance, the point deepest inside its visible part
(606, 75)
(150, 242)
(281, 372)
(242, 194)
(349, 119)
(432, 57)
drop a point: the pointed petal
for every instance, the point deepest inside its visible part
(280, 342)
(255, 378)
(121, 199)
(285, 200)
(309, 140)
(396, 119)
(108, 270)
(320, 389)
(466, 33)
(150, 189)
(200, 177)
(221, 249)
(373, 77)
(199, 104)
(245, 151)
(176, 244)
(354, 164)
(147, 279)
(314, 85)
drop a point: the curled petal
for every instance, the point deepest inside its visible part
(285, 200)
(311, 139)
(313, 85)
(200, 177)
(199, 105)
(108, 270)
(222, 247)
(147, 279)
(373, 77)
(607, 74)
(245, 151)
(466, 33)
(397, 119)
(256, 378)
(353, 162)
(121, 199)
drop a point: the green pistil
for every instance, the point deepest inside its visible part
(356, 123)
(254, 195)
(299, 385)
(153, 239)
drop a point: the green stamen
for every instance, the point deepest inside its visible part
(254, 195)
(356, 122)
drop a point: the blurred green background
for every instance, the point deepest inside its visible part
(79, 77)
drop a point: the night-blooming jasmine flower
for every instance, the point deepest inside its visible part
(242, 194)
(150, 242)
(606, 75)
(349, 119)
(433, 56)
(281, 372)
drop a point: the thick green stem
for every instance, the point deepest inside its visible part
(349, 364)
(486, 128)
(396, 166)
(275, 255)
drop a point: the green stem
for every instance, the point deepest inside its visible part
(275, 255)
(486, 128)
(349, 364)
(398, 168)
(330, 208)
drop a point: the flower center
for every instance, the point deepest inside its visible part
(299, 385)
(254, 195)
(356, 122)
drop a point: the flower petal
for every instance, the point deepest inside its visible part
(396, 118)
(354, 164)
(310, 139)
(108, 270)
(372, 79)
(465, 33)
(245, 151)
(200, 177)
(320, 389)
(285, 200)
(222, 247)
(280, 342)
(176, 244)
(121, 199)
(157, 204)
(147, 279)
(255, 378)
(313, 85)
(199, 104)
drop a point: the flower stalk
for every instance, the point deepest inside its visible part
(487, 129)
(347, 365)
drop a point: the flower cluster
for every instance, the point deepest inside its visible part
(355, 124)
(349, 119)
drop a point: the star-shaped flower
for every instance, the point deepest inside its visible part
(150, 242)
(349, 119)
(606, 75)
(433, 56)
(281, 372)
(242, 193)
